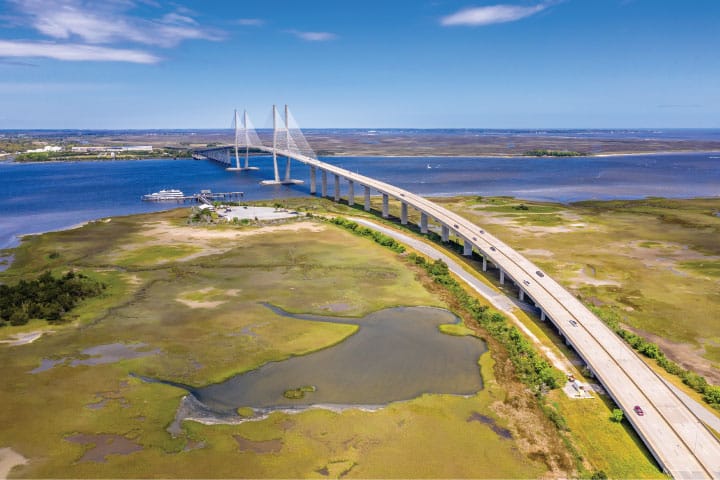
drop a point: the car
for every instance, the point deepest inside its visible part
(573, 323)
(402, 194)
(526, 282)
(475, 238)
(456, 226)
(540, 274)
(482, 231)
(639, 410)
(493, 249)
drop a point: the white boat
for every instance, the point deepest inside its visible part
(171, 194)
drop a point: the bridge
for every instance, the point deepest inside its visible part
(682, 445)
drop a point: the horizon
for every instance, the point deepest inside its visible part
(434, 64)
(306, 129)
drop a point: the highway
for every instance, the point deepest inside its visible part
(679, 441)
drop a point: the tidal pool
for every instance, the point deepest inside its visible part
(396, 354)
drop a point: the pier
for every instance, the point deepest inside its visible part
(205, 196)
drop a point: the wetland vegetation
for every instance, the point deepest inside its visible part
(183, 303)
(648, 267)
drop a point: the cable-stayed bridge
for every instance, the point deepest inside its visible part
(679, 441)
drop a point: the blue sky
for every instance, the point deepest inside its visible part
(352, 63)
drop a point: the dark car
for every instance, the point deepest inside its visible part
(540, 274)
(638, 410)
(456, 226)
(526, 282)
(493, 248)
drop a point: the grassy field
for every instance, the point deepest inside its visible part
(655, 262)
(187, 307)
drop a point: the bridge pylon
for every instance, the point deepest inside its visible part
(282, 142)
(246, 137)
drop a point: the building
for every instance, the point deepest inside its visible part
(46, 148)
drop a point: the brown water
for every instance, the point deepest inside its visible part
(396, 354)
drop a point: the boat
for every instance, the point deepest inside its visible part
(171, 194)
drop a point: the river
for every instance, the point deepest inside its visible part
(51, 196)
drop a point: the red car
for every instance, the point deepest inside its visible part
(638, 410)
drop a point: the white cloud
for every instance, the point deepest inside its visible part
(73, 52)
(491, 14)
(107, 22)
(250, 22)
(313, 36)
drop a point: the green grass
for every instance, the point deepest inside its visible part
(638, 244)
(155, 254)
(710, 268)
(301, 272)
(455, 329)
(611, 447)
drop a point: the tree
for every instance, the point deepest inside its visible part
(617, 415)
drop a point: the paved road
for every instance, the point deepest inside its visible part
(672, 432)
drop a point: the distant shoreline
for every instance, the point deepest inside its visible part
(429, 155)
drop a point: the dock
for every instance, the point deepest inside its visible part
(205, 196)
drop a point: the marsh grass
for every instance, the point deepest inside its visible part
(652, 248)
(201, 346)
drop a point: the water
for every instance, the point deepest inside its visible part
(51, 196)
(397, 354)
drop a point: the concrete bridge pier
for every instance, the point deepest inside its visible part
(404, 213)
(423, 222)
(542, 315)
(502, 277)
(445, 234)
(467, 248)
(313, 180)
(385, 206)
(484, 263)
(323, 183)
(337, 188)
(521, 295)
(367, 199)
(351, 193)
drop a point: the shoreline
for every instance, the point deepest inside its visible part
(413, 156)
(7, 251)
(515, 155)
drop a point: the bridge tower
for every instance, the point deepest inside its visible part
(246, 140)
(284, 145)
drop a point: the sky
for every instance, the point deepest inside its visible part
(139, 64)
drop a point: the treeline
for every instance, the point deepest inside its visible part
(126, 155)
(376, 236)
(710, 393)
(532, 369)
(46, 297)
(553, 153)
